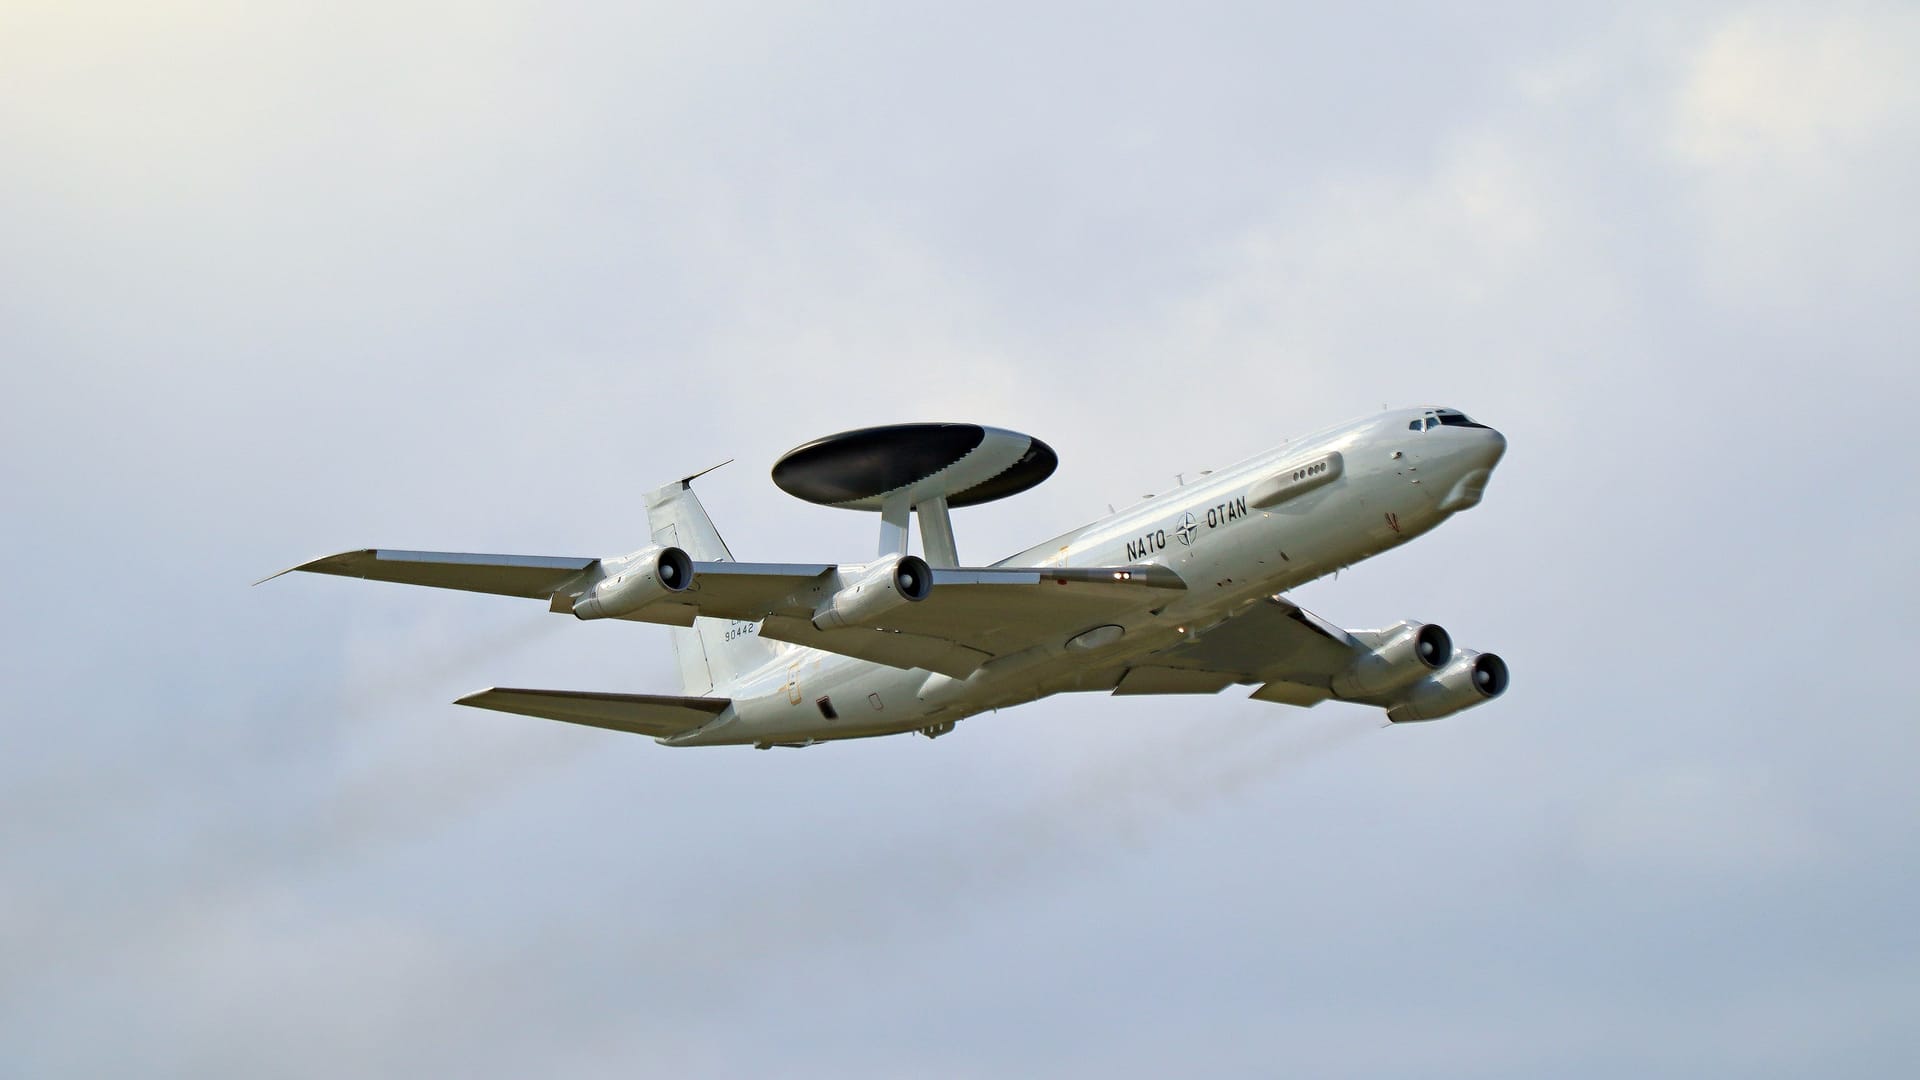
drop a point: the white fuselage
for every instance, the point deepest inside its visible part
(1394, 483)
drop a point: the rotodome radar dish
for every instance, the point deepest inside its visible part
(967, 464)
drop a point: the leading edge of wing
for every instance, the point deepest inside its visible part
(754, 591)
(1151, 576)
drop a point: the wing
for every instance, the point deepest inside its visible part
(533, 576)
(971, 615)
(1410, 669)
(1291, 652)
(658, 715)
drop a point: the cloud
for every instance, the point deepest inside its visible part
(1797, 128)
(1699, 825)
(283, 282)
(1794, 87)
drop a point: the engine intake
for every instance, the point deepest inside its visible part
(875, 591)
(1473, 678)
(1401, 654)
(647, 577)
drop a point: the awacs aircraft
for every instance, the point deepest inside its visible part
(1177, 595)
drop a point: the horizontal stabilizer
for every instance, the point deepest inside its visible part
(658, 715)
(534, 576)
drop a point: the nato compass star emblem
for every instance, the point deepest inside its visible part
(1186, 529)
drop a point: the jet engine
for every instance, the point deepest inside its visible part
(875, 591)
(1400, 655)
(645, 577)
(1472, 678)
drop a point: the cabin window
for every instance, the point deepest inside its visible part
(826, 708)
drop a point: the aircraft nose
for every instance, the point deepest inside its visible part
(1496, 446)
(1476, 462)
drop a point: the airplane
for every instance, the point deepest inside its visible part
(1179, 594)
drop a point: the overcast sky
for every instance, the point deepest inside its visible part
(280, 280)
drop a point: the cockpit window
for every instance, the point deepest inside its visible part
(1436, 417)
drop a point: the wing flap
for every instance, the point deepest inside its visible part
(880, 646)
(658, 715)
(752, 591)
(1274, 641)
(1282, 692)
(1160, 680)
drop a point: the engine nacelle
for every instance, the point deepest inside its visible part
(879, 589)
(647, 577)
(1472, 678)
(1400, 655)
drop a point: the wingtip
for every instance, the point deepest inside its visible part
(311, 563)
(472, 700)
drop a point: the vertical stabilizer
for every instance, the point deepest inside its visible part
(710, 658)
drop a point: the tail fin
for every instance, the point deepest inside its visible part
(709, 655)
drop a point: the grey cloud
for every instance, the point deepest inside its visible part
(284, 283)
